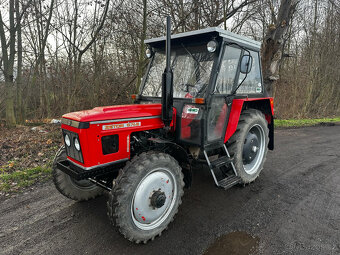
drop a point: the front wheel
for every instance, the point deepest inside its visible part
(249, 145)
(146, 196)
(81, 190)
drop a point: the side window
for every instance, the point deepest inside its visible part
(253, 82)
(217, 118)
(228, 69)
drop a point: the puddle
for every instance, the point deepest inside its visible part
(234, 243)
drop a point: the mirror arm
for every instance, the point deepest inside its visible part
(234, 91)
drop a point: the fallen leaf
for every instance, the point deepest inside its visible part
(49, 141)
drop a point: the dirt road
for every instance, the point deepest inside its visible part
(293, 208)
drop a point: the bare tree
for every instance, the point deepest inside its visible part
(141, 59)
(42, 17)
(8, 43)
(273, 42)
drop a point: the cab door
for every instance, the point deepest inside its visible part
(225, 81)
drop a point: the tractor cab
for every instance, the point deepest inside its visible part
(210, 68)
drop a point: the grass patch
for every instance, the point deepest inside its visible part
(304, 122)
(16, 180)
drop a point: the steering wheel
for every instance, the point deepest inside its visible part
(187, 85)
(192, 92)
(202, 88)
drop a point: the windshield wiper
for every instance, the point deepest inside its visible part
(193, 57)
(201, 67)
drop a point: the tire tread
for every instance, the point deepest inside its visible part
(122, 184)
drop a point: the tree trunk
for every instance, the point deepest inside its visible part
(196, 14)
(225, 12)
(10, 116)
(273, 44)
(142, 48)
(20, 104)
(8, 63)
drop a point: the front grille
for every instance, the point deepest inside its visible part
(71, 151)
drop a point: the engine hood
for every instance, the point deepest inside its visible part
(115, 112)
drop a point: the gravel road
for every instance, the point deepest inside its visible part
(293, 208)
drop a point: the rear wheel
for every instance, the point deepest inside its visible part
(146, 196)
(249, 145)
(77, 190)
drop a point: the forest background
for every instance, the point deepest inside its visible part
(59, 56)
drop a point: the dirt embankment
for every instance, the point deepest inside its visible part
(26, 153)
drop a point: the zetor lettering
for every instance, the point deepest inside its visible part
(216, 111)
(121, 125)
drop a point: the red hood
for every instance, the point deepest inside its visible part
(116, 112)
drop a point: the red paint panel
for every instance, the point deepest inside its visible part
(272, 105)
(268, 118)
(90, 138)
(115, 112)
(234, 117)
(186, 120)
(235, 113)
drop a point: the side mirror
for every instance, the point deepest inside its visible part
(246, 64)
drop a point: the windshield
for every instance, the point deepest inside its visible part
(191, 67)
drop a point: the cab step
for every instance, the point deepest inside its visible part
(228, 180)
(221, 161)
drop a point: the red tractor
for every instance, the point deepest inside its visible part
(202, 101)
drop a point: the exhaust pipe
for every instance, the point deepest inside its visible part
(167, 79)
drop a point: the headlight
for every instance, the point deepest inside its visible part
(77, 144)
(211, 46)
(148, 53)
(67, 140)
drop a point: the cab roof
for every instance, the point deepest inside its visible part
(207, 33)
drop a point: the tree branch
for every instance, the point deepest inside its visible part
(94, 37)
(234, 11)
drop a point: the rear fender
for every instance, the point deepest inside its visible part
(265, 105)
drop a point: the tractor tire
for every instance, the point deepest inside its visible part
(249, 145)
(77, 190)
(146, 196)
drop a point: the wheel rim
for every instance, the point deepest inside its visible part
(154, 199)
(253, 149)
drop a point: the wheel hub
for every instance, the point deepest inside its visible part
(157, 199)
(253, 149)
(250, 148)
